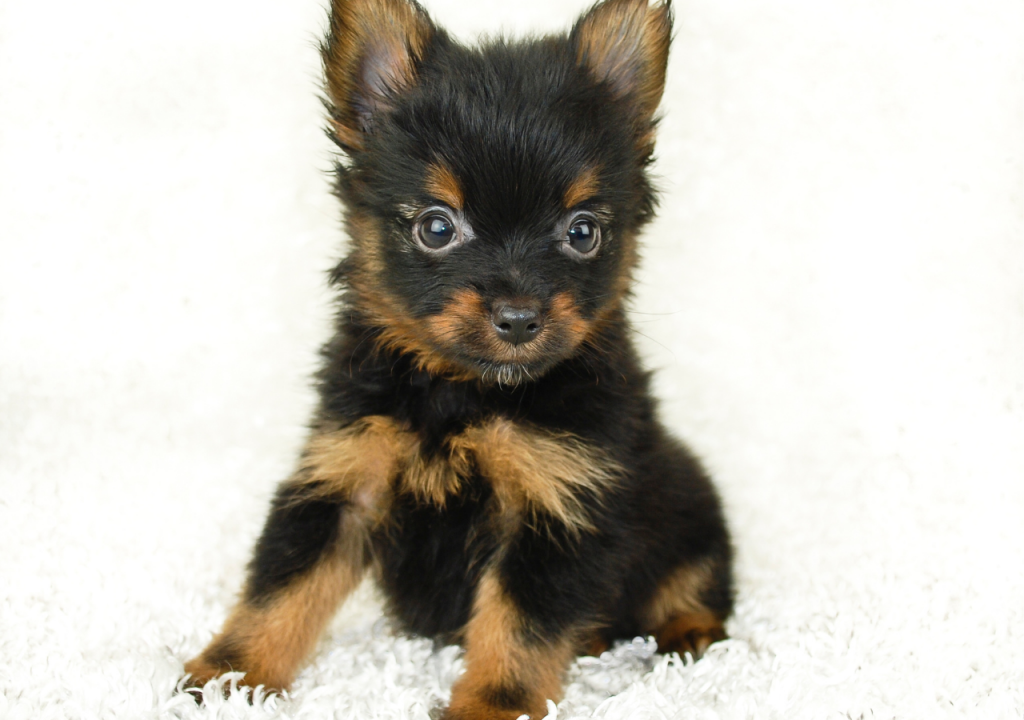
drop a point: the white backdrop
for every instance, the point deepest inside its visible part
(832, 297)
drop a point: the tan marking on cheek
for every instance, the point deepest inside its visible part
(442, 184)
(397, 330)
(536, 473)
(497, 656)
(584, 187)
(566, 315)
(460, 317)
(466, 304)
(408, 338)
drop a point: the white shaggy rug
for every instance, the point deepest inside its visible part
(833, 297)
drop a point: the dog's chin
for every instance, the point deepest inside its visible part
(508, 373)
(505, 374)
(508, 366)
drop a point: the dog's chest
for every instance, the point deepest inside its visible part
(429, 559)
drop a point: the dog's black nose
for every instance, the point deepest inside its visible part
(517, 323)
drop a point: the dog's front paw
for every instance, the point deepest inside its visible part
(200, 671)
(484, 712)
(475, 708)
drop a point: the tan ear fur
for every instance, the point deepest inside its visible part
(370, 54)
(625, 44)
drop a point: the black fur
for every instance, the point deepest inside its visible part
(296, 535)
(430, 561)
(430, 558)
(514, 126)
(515, 123)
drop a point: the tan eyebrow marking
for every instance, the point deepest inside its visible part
(443, 185)
(584, 187)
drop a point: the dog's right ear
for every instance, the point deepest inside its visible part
(369, 56)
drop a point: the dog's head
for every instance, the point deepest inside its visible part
(493, 194)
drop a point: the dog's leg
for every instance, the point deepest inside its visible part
(680, 616)
(690, 633)
(510, 668)
(311, 555)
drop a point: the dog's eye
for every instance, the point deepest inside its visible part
(583, 236)
(436, 231)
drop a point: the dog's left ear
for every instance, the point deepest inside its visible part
(369, 57)
(624, 43)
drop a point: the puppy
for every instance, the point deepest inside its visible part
(486, 444)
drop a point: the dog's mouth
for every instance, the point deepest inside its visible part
(503, 363)
(507, 374)
(508, 342)
(472, 340)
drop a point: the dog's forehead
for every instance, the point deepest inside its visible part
(509, 124)
(514, 156)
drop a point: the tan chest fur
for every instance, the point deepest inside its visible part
(535, 474)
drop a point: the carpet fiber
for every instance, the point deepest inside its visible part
(832, 299)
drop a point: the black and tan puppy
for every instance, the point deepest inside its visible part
(485, 443)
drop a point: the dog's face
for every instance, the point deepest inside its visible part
(493, 194)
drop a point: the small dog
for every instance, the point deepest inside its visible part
(486, 444)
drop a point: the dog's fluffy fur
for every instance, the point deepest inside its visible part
(486, 443)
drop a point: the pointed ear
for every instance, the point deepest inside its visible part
(624, 43)
(370, 56)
